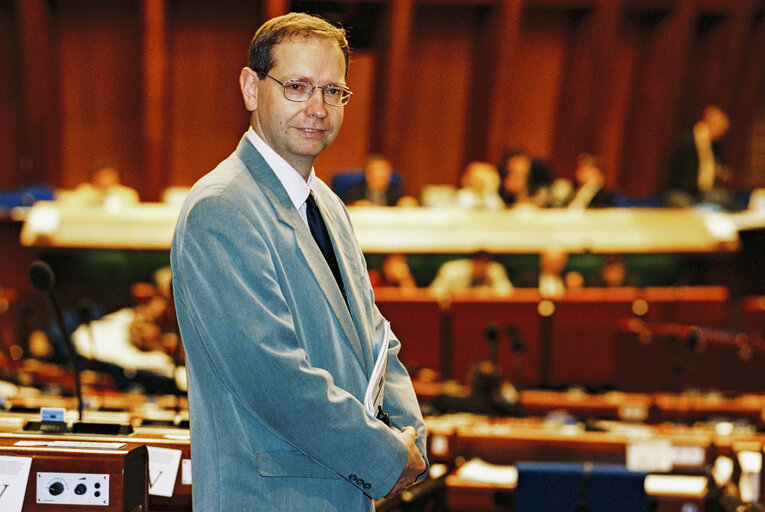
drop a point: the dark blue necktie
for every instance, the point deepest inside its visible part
(321, 235)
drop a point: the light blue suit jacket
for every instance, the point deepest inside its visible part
(277, 363)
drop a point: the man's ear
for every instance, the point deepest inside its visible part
(248, 83)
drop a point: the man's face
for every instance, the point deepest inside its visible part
(378, 174)
(299, 131)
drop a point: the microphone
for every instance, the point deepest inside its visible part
(517, 347)
(43, 278)
(491, 336)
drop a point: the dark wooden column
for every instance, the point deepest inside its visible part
(392, 79)
(505, 29)
(607, 128)
(273, 8)
(654, 117)
(732, 88)
(748, 93)
(155, 86)
(40, 155)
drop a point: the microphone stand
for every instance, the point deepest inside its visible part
(42, 277)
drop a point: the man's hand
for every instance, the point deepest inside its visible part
(415, 464)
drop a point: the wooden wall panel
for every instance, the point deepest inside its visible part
(208, 48)
(152, 85)
(99, 62)
(535, 83)
(620, 88)
(654, 114)
(438, 95)
(10, 91)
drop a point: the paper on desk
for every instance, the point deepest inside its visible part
(163, 470)
(373, 398)
(14, 473)
(481, 471)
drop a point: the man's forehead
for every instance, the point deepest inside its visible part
(309, 40)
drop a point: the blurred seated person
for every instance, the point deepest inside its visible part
(394, 272)
(551, 281)
(478, 273)
(139, 338)
(524, 180)
(613, 273)
(103, 189)
(377, 188)
(479, 188)
(488, 394)
(590, 191)
(695, 171)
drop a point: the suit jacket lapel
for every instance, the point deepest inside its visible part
(289, 216)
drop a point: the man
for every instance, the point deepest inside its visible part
(279, 350)
(590, 191)
(694, 169)
(478, 273)
(377, 187)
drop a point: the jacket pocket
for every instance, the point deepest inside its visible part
(290, 463)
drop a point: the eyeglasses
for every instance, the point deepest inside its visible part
(301, 90)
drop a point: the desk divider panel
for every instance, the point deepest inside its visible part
(415, 318)
(471, 314)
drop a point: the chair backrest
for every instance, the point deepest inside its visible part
(569, 487)
(342, 180)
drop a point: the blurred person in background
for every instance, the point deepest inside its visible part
(480, 188)
(524, 179)
(695, 171)
(377, 188)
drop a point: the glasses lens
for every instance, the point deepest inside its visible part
(297, 90)
(336, 95)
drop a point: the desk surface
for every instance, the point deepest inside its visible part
(419, 230)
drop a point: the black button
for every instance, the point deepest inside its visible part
(56, 488)
(80, 489)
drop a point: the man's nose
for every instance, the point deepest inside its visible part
(315, 105)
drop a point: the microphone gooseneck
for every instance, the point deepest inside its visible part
(43, 278)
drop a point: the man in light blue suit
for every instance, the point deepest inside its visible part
(280, 350)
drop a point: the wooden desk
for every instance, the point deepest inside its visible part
(651, 356)
(468, 317)
(415, 318)
(612, 405)
(174, 439)
(418, 230)
(126, 467)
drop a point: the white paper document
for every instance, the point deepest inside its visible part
(373, 398)
(14, 473)
(163, 470)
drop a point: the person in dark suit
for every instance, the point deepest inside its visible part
(524, 179)
(591, 191)
(694, 170)
(277, 318)
(377, 188)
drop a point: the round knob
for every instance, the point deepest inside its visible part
(56, 488)
(80, 489)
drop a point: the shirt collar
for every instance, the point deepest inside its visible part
(291, 180)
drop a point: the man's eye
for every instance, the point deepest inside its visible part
(296, 86)
(334, 91)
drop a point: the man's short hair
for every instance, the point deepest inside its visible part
(276, 30)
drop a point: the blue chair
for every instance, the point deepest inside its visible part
(341, 181)
(573, 487)
(26, 196)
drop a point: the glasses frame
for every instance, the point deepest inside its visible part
(310, 91)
